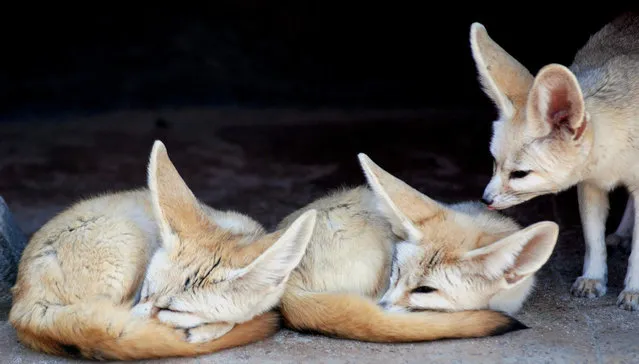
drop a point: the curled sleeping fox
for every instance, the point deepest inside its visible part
(383, 254)
(152, 273)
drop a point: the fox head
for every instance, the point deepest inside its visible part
(211, 266)
(457, 257)
(542, 138)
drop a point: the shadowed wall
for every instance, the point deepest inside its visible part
(246, 53)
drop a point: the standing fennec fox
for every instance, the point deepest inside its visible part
(566, 126)
(201, 280)
(382, 253)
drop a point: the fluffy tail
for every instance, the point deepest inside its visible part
(102, 331)
(354, 317)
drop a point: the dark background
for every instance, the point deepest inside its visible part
(269, 54)
(264, 55)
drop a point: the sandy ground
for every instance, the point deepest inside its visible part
(268, 163)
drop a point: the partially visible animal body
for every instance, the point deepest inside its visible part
(12, 243)
(567, 126)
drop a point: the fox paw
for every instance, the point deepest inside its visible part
(144, 310)
(628, 300)
(179, 320)
(622, 242)
(206, 332)
(588, 287)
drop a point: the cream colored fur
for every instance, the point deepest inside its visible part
(567, 126)
(373, 246)
(195, 274)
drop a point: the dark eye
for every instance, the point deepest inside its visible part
(423, 289)
(518, 174)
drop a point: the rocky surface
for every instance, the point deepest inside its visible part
(12, 242)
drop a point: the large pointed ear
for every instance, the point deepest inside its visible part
(404, 207)
(174, 205)
(518, 255)
(556, 102)
(273, 267)
(503, 78)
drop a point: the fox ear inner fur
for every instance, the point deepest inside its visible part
(519, 255)
(273, 267)
(555, 102)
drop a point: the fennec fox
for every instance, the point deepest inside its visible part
(566, 126)
(195, 273)
(382, 253)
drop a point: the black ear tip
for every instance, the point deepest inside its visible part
(510, 325)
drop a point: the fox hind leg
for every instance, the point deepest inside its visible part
(629, 298)
(622, 237)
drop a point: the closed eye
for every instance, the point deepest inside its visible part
(424, 289)
(170, 309)
(518, 174)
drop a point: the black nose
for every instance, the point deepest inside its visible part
(486, 201)
(384, 304)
